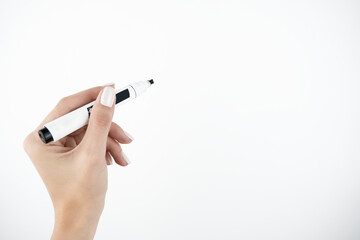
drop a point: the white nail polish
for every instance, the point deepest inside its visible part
(129, 135)
(108, 96)
(109, 159)
(125, 157)
(108, 84)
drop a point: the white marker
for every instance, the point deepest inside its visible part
(78, 118)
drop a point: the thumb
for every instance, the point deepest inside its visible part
(99, 123)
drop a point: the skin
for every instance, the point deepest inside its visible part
(74, 169)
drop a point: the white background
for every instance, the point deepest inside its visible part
(251, 130)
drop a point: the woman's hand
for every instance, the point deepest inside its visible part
(74, 169)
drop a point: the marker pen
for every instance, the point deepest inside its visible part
(72, 121)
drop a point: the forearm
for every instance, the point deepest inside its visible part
(76, 222)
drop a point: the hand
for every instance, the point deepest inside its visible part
(74, 169)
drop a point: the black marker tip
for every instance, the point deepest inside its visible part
(151, 81)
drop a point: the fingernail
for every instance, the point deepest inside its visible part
(108, 84)
(129, 135)
(109, 159)
(127, 160)
(107, 97)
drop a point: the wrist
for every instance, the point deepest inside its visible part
(77, 221)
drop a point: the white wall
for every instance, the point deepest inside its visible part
(251, 130)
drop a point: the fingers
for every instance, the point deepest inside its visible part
(108, 159)
(100, 121)
(116, 152)
(119, 134)
(70, 103)
(115, 132)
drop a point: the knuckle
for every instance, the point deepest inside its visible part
(28, 143)
(63, 102)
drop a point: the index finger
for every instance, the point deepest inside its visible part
(72, 102)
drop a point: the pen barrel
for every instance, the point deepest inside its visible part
(78, 118)
(69, 123)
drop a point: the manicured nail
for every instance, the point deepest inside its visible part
(129, 135)
(109, 160)
(127, 160)
(108, 96)
(108, 84)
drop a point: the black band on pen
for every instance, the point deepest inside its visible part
(45, 135)
(121, 96)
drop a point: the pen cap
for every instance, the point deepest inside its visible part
(140, 87)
